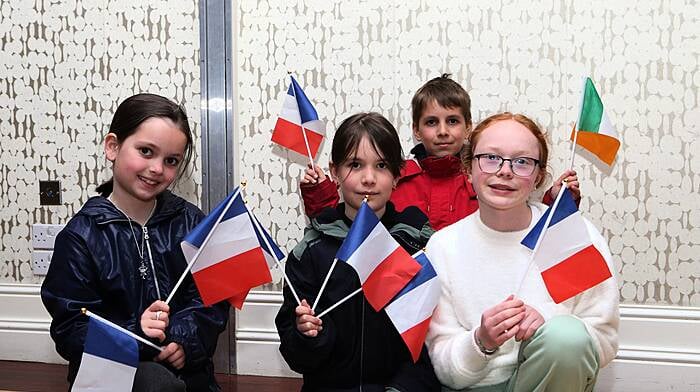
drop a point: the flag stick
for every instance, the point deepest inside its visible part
(347, 297)
(201, 247)
(573, 148)
(303, 130)
(354, 292)
(274, 256)
(118, 328)
(541, 236)
(323, 286)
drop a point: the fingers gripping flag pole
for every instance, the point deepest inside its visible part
(382, 265)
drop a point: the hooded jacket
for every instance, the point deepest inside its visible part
(437, 186)
(357, 345)
(95, 265)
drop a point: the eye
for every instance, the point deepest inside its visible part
(430, 122)
(523, 161)
(145, 151)
(171, 161)
(492, 157)
(453, 121)
(354, 165)
(382, 165)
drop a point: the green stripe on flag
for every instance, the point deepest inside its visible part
(591, 110)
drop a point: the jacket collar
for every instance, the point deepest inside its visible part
(334, 223)
(103, 211)
(436, 167)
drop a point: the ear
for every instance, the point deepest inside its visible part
(394, 183)
(333, 169)
(416, 132)
(111, 146)
(468, 130)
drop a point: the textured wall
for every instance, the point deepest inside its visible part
(64, 68)
(519, 56)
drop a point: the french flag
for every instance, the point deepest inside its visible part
(568, 261)
(109, 360)
(412, 308)
(233, 261)
(297, 112)
(383, 266)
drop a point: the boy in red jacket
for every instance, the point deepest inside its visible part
(434, 179)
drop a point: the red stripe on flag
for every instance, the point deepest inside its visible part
(232, 276)
(414, 338)
(576, 274)
(288, 134)
(389, 277)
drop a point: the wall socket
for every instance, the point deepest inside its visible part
(40, 261)
(43, 236)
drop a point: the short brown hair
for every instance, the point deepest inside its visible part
(446, 93)
(473, 138)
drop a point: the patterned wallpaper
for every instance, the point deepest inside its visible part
(64, 67)
(520, 56)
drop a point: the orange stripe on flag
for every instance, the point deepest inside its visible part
(603, 146)
(232, 276)
(577, 273)
(288, 134)
(389, 277)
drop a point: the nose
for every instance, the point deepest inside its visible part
(442, 129)
(506, 168)
(156, 167)
(369, 177)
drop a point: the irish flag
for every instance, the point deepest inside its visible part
(595, 132)
(565, 254)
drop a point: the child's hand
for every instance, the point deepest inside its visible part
(531, 322)
(307, 323)
(572, 179)
(154, 320)
(173, 354)
(313, 175)
(500, 323)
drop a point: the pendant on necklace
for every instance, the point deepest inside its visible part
(143, 270)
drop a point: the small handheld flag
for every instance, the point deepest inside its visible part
(564, 251)
(383, 266)
(229, 258)
(594, 131)
(298, 127)
(412, 308)
(109, 362)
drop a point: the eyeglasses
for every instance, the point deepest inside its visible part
(520, 166)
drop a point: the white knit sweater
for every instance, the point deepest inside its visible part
(479, 267)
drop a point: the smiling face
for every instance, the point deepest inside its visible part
(146, 162)
(503, 194)
(365, 173)
(441, 130)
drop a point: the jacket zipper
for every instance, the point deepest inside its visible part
(150, 259)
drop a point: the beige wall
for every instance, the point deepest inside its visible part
(64, 67)
(520, 56)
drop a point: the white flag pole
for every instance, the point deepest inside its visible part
(347, 297)
(119, 328)
(201, 247)
(573, 148)
(274, 256)
(303, 130)
(323, 286)
(541, 236)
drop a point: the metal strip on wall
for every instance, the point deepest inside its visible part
(216, 47)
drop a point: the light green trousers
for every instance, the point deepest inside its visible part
(559, 357)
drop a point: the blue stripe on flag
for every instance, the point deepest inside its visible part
(106, 342)
(307, 112)
(277, 251)
(364, 223)
(426, 273)
(199, 233)
(566, 207)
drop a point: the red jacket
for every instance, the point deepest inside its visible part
(438, 186)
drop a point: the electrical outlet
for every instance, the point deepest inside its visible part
(40, 261)
(43, 236)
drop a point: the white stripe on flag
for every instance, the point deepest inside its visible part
(415, 306)
(232, 237)
(562, 240)
(374, 249)
(290, 110)
(99, 374)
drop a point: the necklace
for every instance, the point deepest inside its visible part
(143, 269)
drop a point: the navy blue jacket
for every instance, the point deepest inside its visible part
(358, 348)
(95, 265)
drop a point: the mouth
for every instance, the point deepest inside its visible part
(501, 187)
(148, 181)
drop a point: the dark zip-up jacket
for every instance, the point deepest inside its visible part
(357, 345)
(95, 265)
